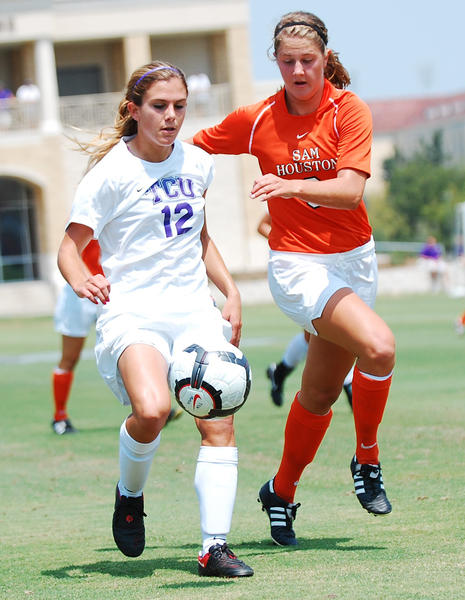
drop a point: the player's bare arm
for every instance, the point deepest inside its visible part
(264, 226)
(93, 287)
(343, 192)
(221, 278)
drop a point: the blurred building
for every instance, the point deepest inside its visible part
(80, 54)
(405, 123)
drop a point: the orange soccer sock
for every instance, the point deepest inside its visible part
(370, 395)
(303, 435)
(61, 383)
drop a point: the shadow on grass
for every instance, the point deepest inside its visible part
(341, 544)
(139, 568)
(324, 543)
(144, 568)
(257, 547)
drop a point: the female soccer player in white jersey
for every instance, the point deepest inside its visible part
(313, 142)
(143, 199)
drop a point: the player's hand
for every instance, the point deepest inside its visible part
(271, 186)
(232, 312)
(95, 288)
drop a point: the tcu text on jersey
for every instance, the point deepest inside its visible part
(171, 187)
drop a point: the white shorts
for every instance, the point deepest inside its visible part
(301, 284)
(167, 332)
(433, 265)
(74, 316)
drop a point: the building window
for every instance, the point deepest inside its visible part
(18, 245)
(85, 79)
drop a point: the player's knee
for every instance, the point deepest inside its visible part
(319, 400)
(149, 415)
(381, 350)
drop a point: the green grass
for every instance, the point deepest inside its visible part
(57, 492)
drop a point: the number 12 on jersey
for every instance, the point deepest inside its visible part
(178, 218)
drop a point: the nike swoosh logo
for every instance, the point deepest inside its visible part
(301, 135)
(368, 447)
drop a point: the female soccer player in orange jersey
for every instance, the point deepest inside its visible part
(313, 142)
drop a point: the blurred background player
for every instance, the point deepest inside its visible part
(296, 350)
(432, 259)
(295, 353)
(74, 317)
(6, 98)
(460, 324)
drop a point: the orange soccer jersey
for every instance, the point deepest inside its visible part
(91, 257)
(337, 136)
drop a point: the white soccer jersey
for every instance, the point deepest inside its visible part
(148, 217)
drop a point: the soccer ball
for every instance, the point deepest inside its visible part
(209, 384)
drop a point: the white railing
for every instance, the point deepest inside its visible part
(99, 110)
(89, 111)
(94, 111)
(212, 103)
(16, 115)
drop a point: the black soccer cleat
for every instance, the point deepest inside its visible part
(276, 390)
(63, 427)
(369, 487)
(128, 524)
(281, 514)
(220, 561)
(277, 374)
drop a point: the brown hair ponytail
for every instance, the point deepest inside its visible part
(335, 71)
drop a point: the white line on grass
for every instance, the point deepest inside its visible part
(88, 354)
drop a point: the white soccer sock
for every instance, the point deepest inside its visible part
(59, 371)
(349, 376)
(216, 483)
(135, 460)
(296, 350)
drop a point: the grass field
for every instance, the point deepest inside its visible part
(57, 492)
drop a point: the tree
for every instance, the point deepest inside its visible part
(422, 194)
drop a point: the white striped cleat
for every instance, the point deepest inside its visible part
(282, 514)
(369, 487)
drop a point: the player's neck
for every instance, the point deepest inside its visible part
(303, 106)
(149, 152)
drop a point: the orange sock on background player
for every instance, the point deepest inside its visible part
(61, 381)
(303, 435)
(369, 399)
